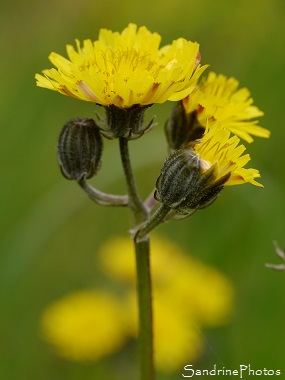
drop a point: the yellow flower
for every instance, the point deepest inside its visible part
(84, 325)
(187, 295)
(124, 69)
(217, 149)
(218, 98)
(191, 178)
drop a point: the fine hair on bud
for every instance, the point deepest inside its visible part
(178, 172)
(79, 149)
(183, 184)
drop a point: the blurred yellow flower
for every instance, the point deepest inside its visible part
(84, 326)
(218, 98)
(187, 295)
(124, 69)
(217, 148)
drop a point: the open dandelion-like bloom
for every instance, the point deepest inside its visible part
(218, 98)
(218, 149)
(124, 69)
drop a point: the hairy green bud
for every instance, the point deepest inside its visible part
(79, 149)
(184, 184)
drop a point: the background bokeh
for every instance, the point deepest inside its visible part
(50, 231)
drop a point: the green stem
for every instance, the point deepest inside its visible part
(144, 291)
(142, 250)
(135, 202)
(156, 219)
(101, 198)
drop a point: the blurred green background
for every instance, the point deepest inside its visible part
(50, 231)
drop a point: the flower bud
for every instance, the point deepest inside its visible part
(182, 127)
(188, 182)
(79, 149)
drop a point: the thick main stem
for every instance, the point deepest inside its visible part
(142, 250)
(144, 292)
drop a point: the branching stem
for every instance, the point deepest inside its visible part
(156, 219)
(101, 198)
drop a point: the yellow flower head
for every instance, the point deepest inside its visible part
(186, 294)
(218, 149)
(124, 69)
(84, 325)
(218, 98)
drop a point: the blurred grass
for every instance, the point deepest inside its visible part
(50, 231)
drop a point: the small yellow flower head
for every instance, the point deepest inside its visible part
(217, 98)
(217, 149)
(84, 326)
(125, 69)
(191, 178)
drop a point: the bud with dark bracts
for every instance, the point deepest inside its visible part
(79, 149)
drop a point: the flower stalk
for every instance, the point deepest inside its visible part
(157, 218)
(101, 198)
(142, 252)
(144, 293)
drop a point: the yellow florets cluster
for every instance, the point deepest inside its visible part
(219, 148)
(217, 98)
(124, 69)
